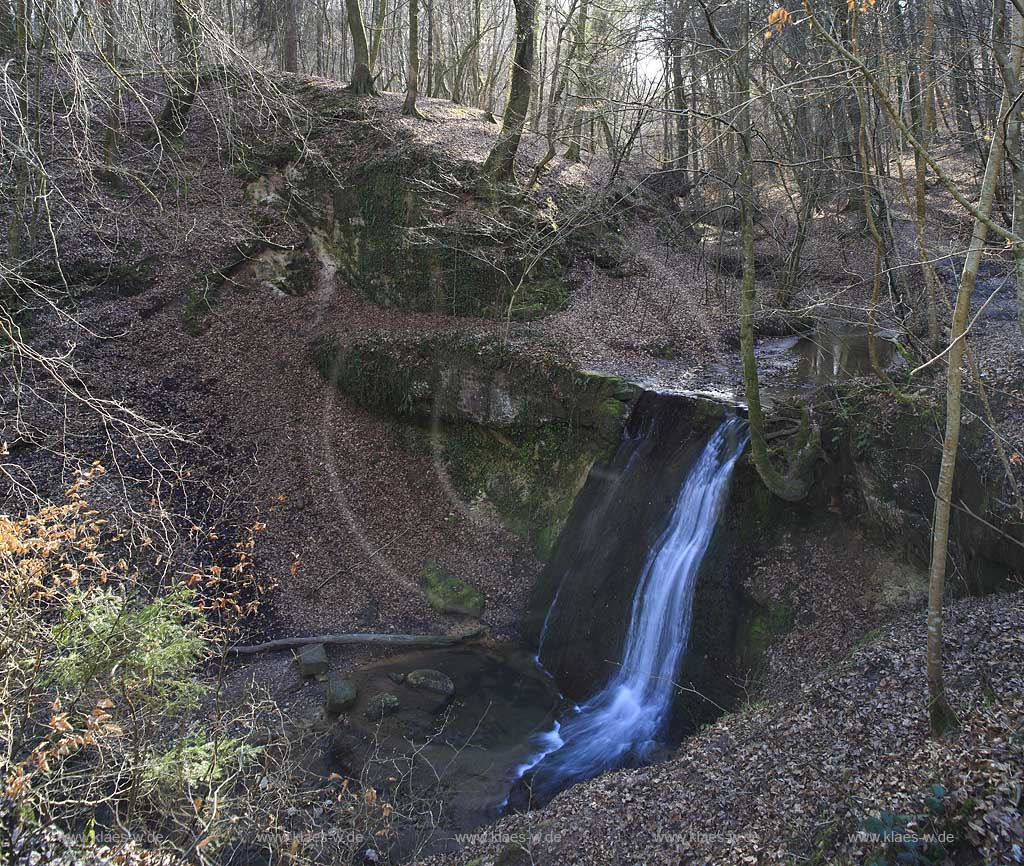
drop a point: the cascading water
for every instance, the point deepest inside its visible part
(623, 722)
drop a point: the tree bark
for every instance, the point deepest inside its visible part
(430, 48)
(572, 153)
(291, 36)
(679, 101)
(924, 113)
(1015, 156)
(795, 484)
(499, 167)
(378, 34)
(18, 226)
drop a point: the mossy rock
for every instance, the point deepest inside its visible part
(341, 695)
(377, 222)
(522, 430)
(449, 594)
(381, 705)
(761, 626)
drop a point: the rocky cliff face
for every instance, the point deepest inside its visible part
(519, 431)
(888, 453)
(400, 219)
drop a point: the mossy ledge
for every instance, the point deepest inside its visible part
(520, 430)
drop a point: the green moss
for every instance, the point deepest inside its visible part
(531, 478)
(448, 594)
(761, 626)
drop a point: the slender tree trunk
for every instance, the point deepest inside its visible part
(572, 153)
(679, 102)
(796, 483)
(1015, 157)
(362, 79)
(430, 47)
(8, 25)
(111, 136)
(499, 167)
(18, 226)
(939, 713)
(474, 60)
(412, 81)
(922, 81)
(378, 33)
(184, 84)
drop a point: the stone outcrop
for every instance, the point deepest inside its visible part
(521, 430)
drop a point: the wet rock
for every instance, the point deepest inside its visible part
(341, 695)
(396, 677)
(432, 681)
(379, 706)
(434, 689)
(312, 660)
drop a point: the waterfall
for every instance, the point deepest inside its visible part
(623, 722)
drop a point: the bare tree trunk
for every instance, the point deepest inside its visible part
(412, 82)
(362, 79)
(111, 136)
(184, 84)
(499, 167)
(679, 103)
(924, 113)
(19, 225)
(796, 483)
(939, 713)
(378, 33)
(572, 153)
(1015, 157)
(8, 25)
(291, 36)
(430, 48)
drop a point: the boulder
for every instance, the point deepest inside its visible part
(341, 695)
(312, 660)
(432, 681)
(436, 688)
(379, 706)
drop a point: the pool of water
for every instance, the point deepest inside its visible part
(833, 352)
(462, 757)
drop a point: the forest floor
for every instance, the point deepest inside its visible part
(354, 506)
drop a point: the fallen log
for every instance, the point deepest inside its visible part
(417, 641)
